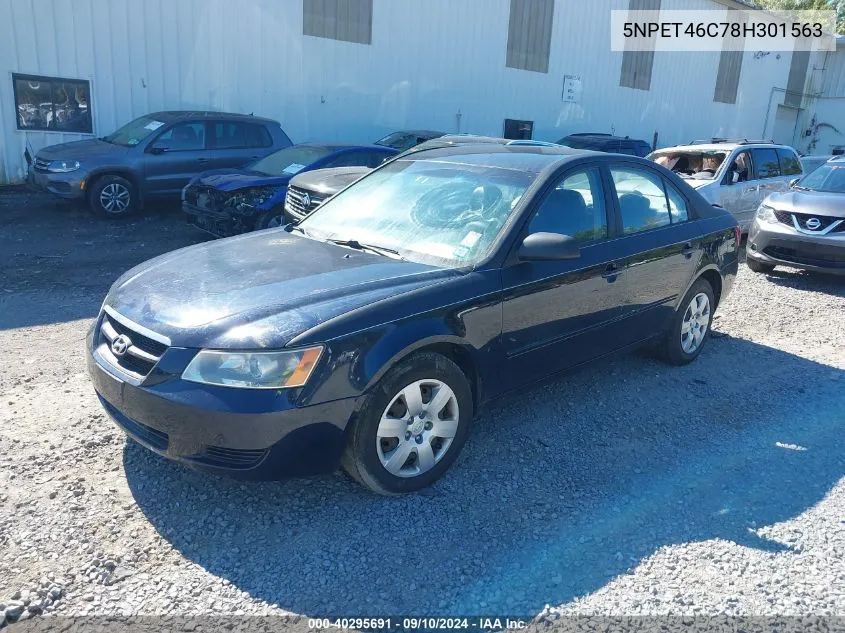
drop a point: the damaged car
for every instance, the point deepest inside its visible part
(233, 201)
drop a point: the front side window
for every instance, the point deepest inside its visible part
(52, 104)
(436, 212)
(183, 137)
(642, 199)
(575, 207)
(766, 162)
(790, 164)
(741, 166)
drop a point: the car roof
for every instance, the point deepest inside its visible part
(530, 158)
(601, 137)
(429, 133)
(726, 147)
(177, 115)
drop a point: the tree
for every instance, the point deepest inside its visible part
(809, 5)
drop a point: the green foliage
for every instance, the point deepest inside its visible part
(809, 5)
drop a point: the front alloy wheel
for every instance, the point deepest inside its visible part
(411, 426)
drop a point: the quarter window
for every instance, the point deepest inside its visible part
(642, 199)
(575, 207)
(790, 165)
(183, 137)
(766, 162)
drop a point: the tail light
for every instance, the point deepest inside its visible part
(738, 235)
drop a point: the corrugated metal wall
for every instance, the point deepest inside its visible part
(432, 63)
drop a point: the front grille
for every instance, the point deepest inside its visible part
(229, 458)
(800, 219)
(825, 258)
(135, 354)
(41, 164)
(301, 202)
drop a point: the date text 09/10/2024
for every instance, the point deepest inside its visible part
(418, 623)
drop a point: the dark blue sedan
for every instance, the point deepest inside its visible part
(226, 202)
(372, 333)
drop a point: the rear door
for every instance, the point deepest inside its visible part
(770, 178)
(235, 144)
(556, 314)
(174, 157)
(659, 248)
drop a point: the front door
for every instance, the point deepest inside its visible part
(555, 314)
(174, 157)
(742, 198)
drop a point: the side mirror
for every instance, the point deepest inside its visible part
(158, 148)
(548, 247)
(733, 178)
(794, 182)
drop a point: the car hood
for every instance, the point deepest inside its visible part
(234, 179)
(809, 202)
(80, 150)
(329, 181)
(258, 290)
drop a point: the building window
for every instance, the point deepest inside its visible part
(530, 34)
(344, 20)
(53, 104)
(637, 65)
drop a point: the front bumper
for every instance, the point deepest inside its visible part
(244, 433)
(70, 185)
(781, 245)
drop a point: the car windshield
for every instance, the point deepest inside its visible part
(134, 132)
(699, 165)
(828, 178)
(290, 160)
(398, 140)
(441, 213)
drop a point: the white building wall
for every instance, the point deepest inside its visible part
(436, 64)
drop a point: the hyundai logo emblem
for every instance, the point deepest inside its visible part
(814, 224)
(306, 200)
(120, 344)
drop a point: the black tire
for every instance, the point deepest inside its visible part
(361, 458)
(672, 349)
(114, 190)
(759, 267)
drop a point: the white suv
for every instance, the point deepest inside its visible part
(736, 175)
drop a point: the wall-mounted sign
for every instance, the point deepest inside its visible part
(571, 88)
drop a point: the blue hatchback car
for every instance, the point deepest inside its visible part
(227, 202)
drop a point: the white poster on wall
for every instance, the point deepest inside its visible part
(571, 88)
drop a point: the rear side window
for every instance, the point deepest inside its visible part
(642, 199)
(766, 162)
(239, 135)
(789, 163)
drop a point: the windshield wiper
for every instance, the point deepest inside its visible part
(372, 248)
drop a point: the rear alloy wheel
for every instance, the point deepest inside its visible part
(112, 196)
(759, 267)
(691, 325)
(412, 427)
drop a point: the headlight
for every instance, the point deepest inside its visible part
(62, 166)
(765, 213)
(253, 370)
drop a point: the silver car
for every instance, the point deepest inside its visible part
(735, 175)
(803, 227)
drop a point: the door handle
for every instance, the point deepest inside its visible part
(688, 250)
(611, 272)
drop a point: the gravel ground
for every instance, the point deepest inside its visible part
(627, 488)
